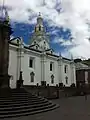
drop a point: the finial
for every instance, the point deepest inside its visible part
(39, 13)
(60, 54)
(71, 57)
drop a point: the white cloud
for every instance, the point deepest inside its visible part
(63, 42)
(75, 14)
(58, 40)
(11, 37)
(54, 32)
(67, 43)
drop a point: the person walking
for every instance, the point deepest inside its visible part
(85, 94)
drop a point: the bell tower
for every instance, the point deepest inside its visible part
(40, 39)
(39, 26)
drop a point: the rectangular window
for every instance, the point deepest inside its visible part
(31, 62)
(65, 68)
(51, 66)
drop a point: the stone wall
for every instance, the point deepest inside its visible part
(44, 91)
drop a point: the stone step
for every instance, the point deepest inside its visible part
(29, 113)
(18, 101)
(14, 96)
(22, 103)
(23, 96)
(22, 93)
(2, 98)
(19, 90)
(13, 108)
(26, 99)
(25, 110)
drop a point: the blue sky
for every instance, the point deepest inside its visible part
(66, 21)
(26, 31)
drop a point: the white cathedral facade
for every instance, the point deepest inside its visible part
(38, 62)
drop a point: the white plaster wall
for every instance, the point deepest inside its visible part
(41, 43)
(74, 72)
(27, 70)
(12, 67)
(60, 71)
(57, 72)
(68, 74)
(48, 73)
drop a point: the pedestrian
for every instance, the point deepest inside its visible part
(85, 96)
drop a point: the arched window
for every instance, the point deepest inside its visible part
(32, 76)
(65, 68)
(66, 79)
(52, 79)
(34, 42)
(36, 47)
(44, 42)
(51, 52)
(39, 28)
(35, 29)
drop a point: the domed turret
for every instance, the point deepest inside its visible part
(40, 37)
(39, 19)
(39, 26)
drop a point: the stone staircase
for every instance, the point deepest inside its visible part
(21, 103)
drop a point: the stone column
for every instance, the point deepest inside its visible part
(43, 68)
(5, 32)
(60, 70)
(86, 77)
(20, 55)
(73, 73)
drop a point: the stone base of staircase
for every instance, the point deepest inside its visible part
(20, 103)
(5, 92)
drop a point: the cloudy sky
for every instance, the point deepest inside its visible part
(67, 22)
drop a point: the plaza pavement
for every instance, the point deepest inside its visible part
(73, 108)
